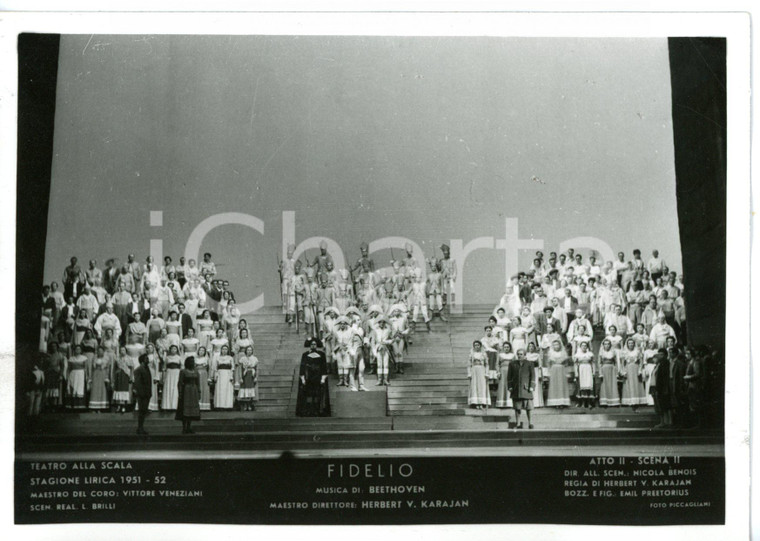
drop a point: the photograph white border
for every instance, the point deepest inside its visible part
(734, 26)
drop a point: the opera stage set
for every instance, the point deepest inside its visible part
(238, 146)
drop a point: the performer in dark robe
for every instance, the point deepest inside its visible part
(313, 394)
(189, 395)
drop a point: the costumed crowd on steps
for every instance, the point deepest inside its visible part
(566, 332)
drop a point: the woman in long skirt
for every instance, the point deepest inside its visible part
(76, 379)
(559, 392)
(609, 367)
(202, 365)
(538, 390)
(55, 369)
(222, 368)
(584, 365)
(154, 365)
(205, 329)
(172, 367)
(188, 396)
(649, 362)
(246, 379)
(313, 390)
(122, 378)
(479, 396)
(631, 360)
(490, 344)
(506, 356)
(98, 379)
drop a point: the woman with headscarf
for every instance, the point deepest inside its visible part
(313, 396)
(188, 396)
(246, 379)
(477, 371)
(559, 391)
(609, 368)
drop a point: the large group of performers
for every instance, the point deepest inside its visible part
(95, 329)
(567, 332)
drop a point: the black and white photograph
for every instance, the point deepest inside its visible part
(420, 276)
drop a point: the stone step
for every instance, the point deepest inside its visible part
(406, 392)
(422, 399)
(442, 385)
(431, 411)
(413, 407)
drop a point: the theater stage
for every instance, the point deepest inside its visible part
(423, 411)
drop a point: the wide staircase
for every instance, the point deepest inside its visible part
(431, 396)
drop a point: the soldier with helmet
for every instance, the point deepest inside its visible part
(287, 272)
(449, 276)
(320, 262)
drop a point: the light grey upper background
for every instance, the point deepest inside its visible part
(429, 138)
